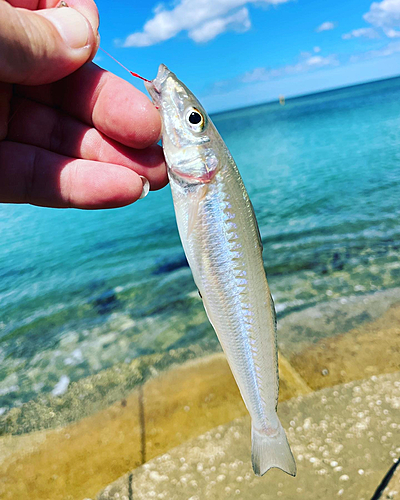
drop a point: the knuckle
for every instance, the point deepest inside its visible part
(56, 137)
(71, 180)
(30, 176)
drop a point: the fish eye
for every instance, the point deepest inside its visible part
(195, 119)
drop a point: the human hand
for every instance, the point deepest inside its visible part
(71, 134)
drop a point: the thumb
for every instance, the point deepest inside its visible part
(38, 47)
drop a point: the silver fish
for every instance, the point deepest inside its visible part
(221, 239)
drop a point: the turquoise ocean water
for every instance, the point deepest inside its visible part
(82, 291)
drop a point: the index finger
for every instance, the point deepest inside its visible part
(103, 100)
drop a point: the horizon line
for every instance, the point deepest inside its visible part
(308, 94)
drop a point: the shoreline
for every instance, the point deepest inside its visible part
(296, 332)
(179, 404)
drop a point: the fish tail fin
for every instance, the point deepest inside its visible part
(271, 451)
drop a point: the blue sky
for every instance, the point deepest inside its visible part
(233, 53)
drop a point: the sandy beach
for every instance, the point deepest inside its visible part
(78, 460)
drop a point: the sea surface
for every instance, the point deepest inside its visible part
(82, 291)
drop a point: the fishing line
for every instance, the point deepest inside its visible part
(125, 68)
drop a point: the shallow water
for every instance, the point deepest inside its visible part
(84, 291)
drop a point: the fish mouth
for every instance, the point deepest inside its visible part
(154, 87)
(153, 91)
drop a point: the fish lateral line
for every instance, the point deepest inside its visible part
(136, 75)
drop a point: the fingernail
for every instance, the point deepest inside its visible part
(146, 187)
(73, 27)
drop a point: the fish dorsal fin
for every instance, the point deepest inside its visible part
(194, 205)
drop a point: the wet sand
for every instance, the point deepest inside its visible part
(76, 461)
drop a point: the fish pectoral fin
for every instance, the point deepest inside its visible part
(194, 208)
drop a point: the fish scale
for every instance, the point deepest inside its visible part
(221, 239)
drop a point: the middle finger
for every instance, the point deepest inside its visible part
(39, 125)
(103, 100)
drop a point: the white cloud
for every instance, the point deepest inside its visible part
(307, 63)
(328, 25)
(239, 21)
(202, 19)
(385, 14)
(317, 49)
(391, 33)
(390, 49)
(361, 32)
